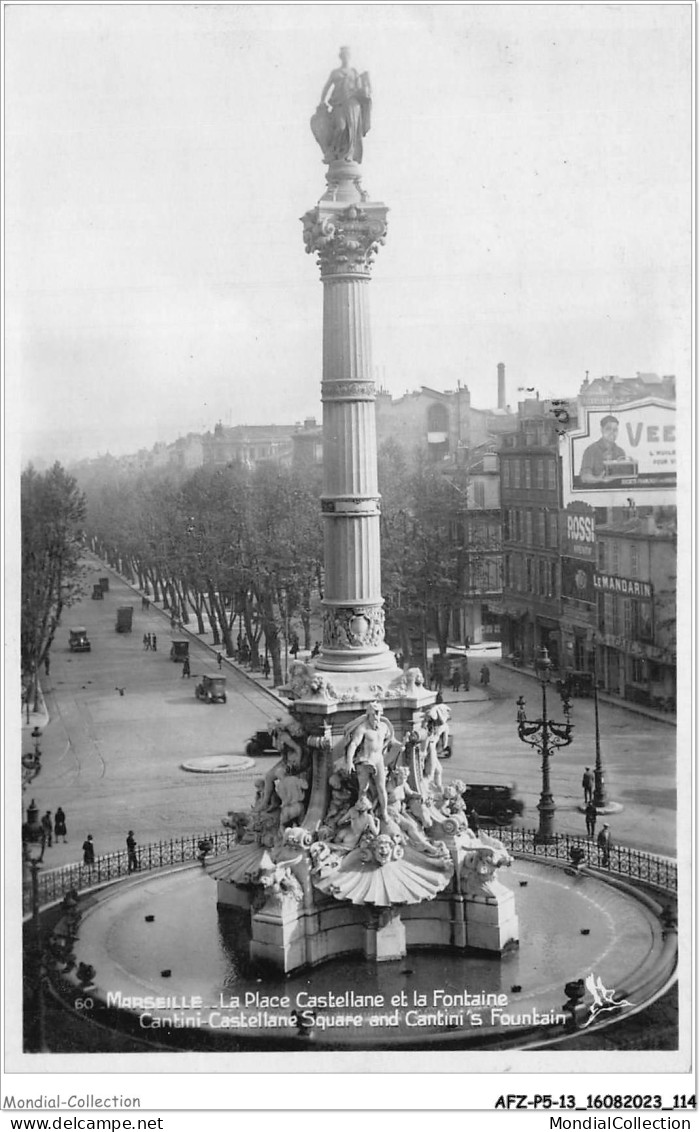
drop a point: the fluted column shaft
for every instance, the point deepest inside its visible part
(345, 239)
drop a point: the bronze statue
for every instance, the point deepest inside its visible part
(342, 117)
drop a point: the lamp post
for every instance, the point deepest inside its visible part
(600, 800)
(33, 842)
(545, 736)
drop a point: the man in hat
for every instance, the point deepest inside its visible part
(604, 845)
(597, 455)
(588, 783)
(88, 851)
(132, 858)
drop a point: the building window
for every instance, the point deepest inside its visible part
(479, 493)
(543, 577)
(506, 570)
(552, 579)
(627, 618)
(639, 670)
(505, 464)
(608, 613)
(528, 473)
(615, 557)
(528, 575)
(516, 473)
(539, 474)
(634, 560)
(541, 528)
(602, 555)
(616, 618)
(438, 419)
(528, 528)
(518, 526)
(553, 530)
(642, 623)
(551, 475)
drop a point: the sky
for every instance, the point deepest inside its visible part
(535, 159)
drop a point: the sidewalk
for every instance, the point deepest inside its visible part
(604, 697)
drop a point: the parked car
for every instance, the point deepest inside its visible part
(211, 689)
(125, 615)
(180, 651)
(262, 743)
(104, 583)
(97, 593)
(497, 803)
(78, 640)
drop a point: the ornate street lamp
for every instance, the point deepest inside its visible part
(33, 842)
(546, 736)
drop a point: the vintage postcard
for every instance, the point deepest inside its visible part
(347, 701)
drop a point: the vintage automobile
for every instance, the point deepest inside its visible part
(211, 689)
(97, 592)
(104, 583)
(78, 640)
(180, 650)
(261, 743)
(125, 615)
(494, 803)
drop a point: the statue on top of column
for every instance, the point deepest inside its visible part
(342, 117)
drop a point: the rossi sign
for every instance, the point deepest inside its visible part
(626, 451)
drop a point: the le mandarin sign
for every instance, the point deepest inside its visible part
(620, 452)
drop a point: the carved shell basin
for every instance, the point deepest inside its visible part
(238, 865)
(411, 879)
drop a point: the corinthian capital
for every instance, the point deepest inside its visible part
(345, 240)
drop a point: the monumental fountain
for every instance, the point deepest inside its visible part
(355, 909)
(353, 843)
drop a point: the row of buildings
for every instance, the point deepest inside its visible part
(595, 585)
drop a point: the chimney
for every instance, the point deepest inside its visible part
(501, 385)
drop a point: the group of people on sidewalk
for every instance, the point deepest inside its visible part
(150, 642)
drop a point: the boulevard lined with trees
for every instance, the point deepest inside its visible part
(52, 511)
(238, 551)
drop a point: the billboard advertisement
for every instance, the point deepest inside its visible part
(622, 452)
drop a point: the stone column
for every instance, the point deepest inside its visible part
(345, 231)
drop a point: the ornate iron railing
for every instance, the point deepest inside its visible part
(624, 861)
(631, 864)
(55, 883)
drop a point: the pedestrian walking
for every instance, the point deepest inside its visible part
(473, 820)
(588, 783)
(132, 856)
(219, 659)
(88, 851)
(186, 668)
(455, 680)
(47, 826)
(317, 649)
(59, 825)
(439, 699)
(153, 643)
(146, 641)
(604, 841)
(466, 679)
(485, 675)
(294, 645)
(266, 668)
(591, 817)
(47, 664)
